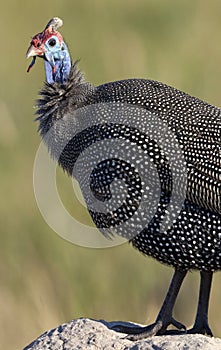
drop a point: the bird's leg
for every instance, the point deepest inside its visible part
(201, 322)
(164, 318)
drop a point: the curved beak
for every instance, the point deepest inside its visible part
(34, 51)
(31, 51)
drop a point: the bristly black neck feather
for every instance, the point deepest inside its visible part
(58, 99)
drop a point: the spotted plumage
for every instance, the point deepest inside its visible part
(197, 126)
(193, 239)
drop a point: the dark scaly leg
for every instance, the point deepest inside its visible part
(201, 322)
(164, 318)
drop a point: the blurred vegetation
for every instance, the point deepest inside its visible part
(44, 279)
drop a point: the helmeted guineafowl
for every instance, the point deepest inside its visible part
(185, 236)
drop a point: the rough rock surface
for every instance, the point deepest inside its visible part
(86, 334)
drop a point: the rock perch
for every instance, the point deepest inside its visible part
(86, 334)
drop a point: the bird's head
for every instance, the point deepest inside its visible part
(50, 46)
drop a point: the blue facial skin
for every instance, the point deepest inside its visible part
(57, 61)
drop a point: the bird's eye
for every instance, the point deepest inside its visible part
(38, 44)
(52, 42)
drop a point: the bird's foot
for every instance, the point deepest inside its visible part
(157, 328)
(201, 327)
(164, 318)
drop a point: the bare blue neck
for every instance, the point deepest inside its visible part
(58, 65)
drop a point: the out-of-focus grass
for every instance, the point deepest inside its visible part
(44, 279)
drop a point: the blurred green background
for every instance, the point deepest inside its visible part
(45, 280)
